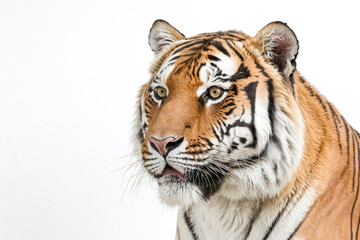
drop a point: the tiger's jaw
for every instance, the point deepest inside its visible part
(186, 186)
(175, 187)
(176, 191)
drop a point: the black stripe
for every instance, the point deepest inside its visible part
(187, 45)
(196, 49)
(282, 212)
(234, 50)
(207, 141)
(199, 68)
(151, 168)
(196, 152)
(251, 94)
(213, 58)
(221, 125)
(149, 159)
(190, 225)
(234, 145)
(277, 218)
(347, 145)
(196, 145)
(216, 135)
(230, 111)
(273, 224)
(174, 58)
(189, 159)
(265, 176)
(146, 152)
(347, 134)
(354, 156)
(215, 66)
(252, 223)
(220, 47)
(298, 226)
(262, 70)
(243, 163)
(313, 94)
(234, 89)
(335, 119)
(147, 104)
(231, 103)
(237, 123)
(271, 105)
(229, 33)
(242, 73)
(292, 83)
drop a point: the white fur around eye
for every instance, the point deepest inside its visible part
(153, 92)
(211, 101)
(207, 76)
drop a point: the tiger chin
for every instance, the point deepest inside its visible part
(242, 143)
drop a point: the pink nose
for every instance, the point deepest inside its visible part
(164, 146)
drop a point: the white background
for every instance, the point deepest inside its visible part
(69, 75)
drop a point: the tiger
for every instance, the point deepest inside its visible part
(238, 140)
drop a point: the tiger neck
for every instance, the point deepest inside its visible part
(330, 163)
(283, 214)
(326, 132)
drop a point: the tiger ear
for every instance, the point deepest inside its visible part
(279, 45)
(162, 35)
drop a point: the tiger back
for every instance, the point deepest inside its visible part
(242, 143)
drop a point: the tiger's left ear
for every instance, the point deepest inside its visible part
(162, 35)
(279, 45)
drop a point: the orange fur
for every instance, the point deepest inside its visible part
(327, 165)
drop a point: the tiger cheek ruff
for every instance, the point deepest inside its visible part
(242, 143)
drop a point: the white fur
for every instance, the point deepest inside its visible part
(221, 218)
(226, 64)
(207, 76)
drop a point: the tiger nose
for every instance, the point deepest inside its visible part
(164, 146)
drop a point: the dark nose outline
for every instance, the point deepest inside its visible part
(164, 146)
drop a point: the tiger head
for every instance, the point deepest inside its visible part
(219, 116)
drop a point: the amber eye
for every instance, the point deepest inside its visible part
(160, 93)
(215, 92)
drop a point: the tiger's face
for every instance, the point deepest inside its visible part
(219, 116)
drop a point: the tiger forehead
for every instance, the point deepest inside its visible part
(197, 46)
(188, 58)
(195, 49)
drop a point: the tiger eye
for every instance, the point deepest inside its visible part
(215, 92)
(161, 92)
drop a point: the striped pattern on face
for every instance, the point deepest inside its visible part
(219, 101)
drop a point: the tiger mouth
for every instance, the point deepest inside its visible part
(172, 172)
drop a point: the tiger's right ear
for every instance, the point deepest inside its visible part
(279, 45)
(162, 35)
